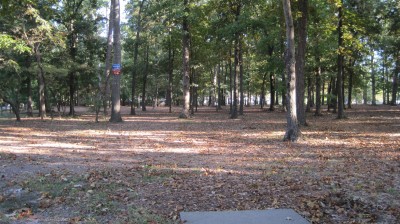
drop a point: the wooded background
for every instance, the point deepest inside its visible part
(57, 54)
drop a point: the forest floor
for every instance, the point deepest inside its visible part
(154, 165)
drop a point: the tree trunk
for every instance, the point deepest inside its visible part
(235, 80)
(272, 91)
(107, 69)
(145, 73)
(186, 60)
(373, 80)
(171, 54)
(300, 61)
(241, 81)
(135, 57)
(116, 82)
(219, 95)
(339, 84)
(395, 84)
(283, 76)
(365, 91)
(262, 97)
(318, 89)
(41, 82)
(309, 94)
(237, 64)
(14, 108)
(350, 87)
(231, 83)
(292, 129)
(72, 38)
(29, 110)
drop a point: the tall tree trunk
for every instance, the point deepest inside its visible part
(365, 91)
(283, 75)
(231, 82)
(241, 81)
(235, 80)
(395, 84)
(318, 89)
(309, 94)
(135, 57)
(237, 64)
(186, 60)
(350, 87)
(107, 70)
(171, 54)
(262, 97)
(29, 110)
(387, 81)
(300, 61)
(116, 82)
(373, 80)
(145, 73)
(339, 84)
(292, 129)
(219, 95)
(272, 91)
(41, 82)
(71, 75)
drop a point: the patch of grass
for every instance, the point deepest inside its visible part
(100, 196)
(393, 191)
(54, 187)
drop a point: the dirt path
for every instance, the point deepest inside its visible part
(151, 166)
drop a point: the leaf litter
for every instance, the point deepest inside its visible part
(153, 166)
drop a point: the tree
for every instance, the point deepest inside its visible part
(185, 113)
(116, 81)
(300, 61)
(339, 84)
(135, 54)
(292, 129)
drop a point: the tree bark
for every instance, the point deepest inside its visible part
(300, 61)
(395, 83)
(185, 113)
(373, 80)
(318, 89)
(145, 73)
(135, 57)
(241, 82)
(219, 95)
(14, 108)
(309, 94)
(116, 86)
(106, 88)
(350, 87)
(292, 129)
(339, 84)
(272, 91)
(171, 54)
(41, 82)
(29, 110)
(237, 64)
(262, 97)
(72, 38)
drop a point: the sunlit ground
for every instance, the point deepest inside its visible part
(340, 171)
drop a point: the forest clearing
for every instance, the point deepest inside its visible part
(152, 166)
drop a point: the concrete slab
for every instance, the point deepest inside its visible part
(270, 216)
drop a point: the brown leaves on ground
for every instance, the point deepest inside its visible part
(342, 171)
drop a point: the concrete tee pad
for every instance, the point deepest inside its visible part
(270, 216)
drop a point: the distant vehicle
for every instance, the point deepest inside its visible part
(6, 107)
